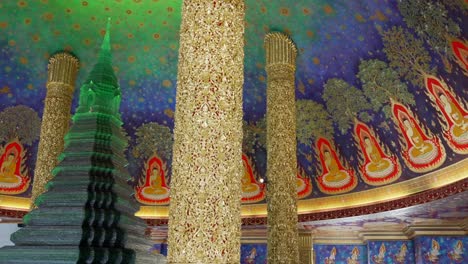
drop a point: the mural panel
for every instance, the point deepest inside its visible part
(253, 254)
(337, 254)
(452, 113)
(377, 167)
(252, 190)
(385, 38)
(460, 50)
(442, 249)
(386, 252)
(303, 183)
(14, 177)
(152, 188)
(334, 177)
(422, 151)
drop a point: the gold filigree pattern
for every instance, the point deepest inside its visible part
(204, 218)
(63, 69)
(281, 147)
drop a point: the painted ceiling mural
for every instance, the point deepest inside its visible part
(380, 87)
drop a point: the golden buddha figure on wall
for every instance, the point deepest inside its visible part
(452, 113)
(376, 166)
(153, 189)
(421, 150)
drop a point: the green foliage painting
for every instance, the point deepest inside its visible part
(19, 122)
(254, 135)
(431, 22)
(153, 138)
(344, 103)
(407, 55)
(380, 83)
(312, 121)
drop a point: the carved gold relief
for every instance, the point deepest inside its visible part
(281, 148)
(204, 218)
(63, 69)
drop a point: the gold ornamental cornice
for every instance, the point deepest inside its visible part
(432, 180)
(448, 175)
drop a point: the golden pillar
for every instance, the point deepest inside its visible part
(281, 150)
(204, 216)
(305, 247)
(62, 71)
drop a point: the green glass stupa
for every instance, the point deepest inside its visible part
(87, 213)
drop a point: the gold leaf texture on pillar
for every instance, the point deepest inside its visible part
(62, 72)
(204, 219)
(281, 150)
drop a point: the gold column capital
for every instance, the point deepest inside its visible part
(62, 72)
(281, 53)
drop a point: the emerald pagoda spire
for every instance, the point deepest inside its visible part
(87, 214)
(102, 72)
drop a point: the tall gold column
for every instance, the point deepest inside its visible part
(281, 150)
(62, 71)
(305, 247)
(204, 216)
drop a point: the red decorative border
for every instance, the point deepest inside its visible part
(419, 198)
(12, 213)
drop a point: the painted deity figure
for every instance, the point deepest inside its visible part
(461, 121)
(252, 191)
(334, 178)
(400, 257)
(8, 168)
(433, 255)
(420, 147)
(377, 167)
(154, 190)
(455, 116)
(380, 258)
(377, 162)
(250, 259)
(156, 183)
(354, 259)
(422, 153)
(13, 179)
(331, 259)
(456, 254)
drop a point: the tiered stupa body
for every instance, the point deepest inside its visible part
(87, 213)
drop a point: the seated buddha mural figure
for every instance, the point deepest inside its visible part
(13, 174)
(153, 190)
(400, 257)
(433, 255)
(377, 167)
(460, 50)
(420, 152)
(380, 258)
(335, 178)
(331, 259)
(456, 254)
(354, 259)
(303, 184)
(455, 116)
(252, 191)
